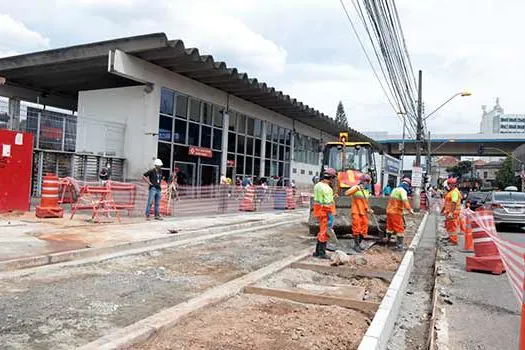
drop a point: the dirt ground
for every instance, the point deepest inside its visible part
(66, 307)
(375, 288)
(263, 323)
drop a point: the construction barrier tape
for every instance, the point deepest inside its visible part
(512, 253)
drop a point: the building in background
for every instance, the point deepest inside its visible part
(496, 121)
(139, 98)
(487, 173)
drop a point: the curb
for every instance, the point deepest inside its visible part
(71, 255)
(380, 329)
(145, 328)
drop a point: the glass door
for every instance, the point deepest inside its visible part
(209, 175)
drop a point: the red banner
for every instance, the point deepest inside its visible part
(200, 152)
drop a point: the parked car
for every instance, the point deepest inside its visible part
(477, 199)
(508, 207)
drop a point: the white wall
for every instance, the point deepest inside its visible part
(139, 111)
(306, 178)
(133, 67)
(129, 106)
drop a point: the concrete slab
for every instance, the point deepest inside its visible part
(19, 239)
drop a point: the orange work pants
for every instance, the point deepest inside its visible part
(359, 225)
(322, 236)
(395, 224)
(452, 227)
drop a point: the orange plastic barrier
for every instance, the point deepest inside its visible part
(487, 257)
(290, 203)
(248, 201)
(98, 199)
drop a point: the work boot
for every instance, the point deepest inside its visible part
(316, 253)
(400, 245)
(357, 244)
(322, 251)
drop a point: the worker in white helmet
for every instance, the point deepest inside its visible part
(153, 178)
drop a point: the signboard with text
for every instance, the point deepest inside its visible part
(417, 176)
(200, 152)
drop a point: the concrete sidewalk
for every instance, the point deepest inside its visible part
(21, 238)
(475, 310)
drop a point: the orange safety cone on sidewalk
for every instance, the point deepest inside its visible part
(248, 201)
(468, 246)
(49, 207)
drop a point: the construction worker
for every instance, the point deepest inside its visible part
(360, 210)
(323, 210)
(398, 202)
(451, 209)
(153, 178)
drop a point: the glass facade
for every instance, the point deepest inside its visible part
(185, 121)
(245, 143)
(306, 149)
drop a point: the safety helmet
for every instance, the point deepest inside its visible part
(407, 180)
(329, 173)
(366, 178)
(158, 162)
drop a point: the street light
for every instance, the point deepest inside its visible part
(462, 94)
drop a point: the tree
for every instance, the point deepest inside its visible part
(462, 168)
(340, 116)
(505, 176)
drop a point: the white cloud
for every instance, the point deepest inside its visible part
(15, 37)
(305, 48)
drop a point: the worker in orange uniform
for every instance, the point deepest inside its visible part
(360, 210)
(323, 210)
(398, 202)
(451, 209)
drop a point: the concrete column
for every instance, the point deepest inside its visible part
(263, 149)
(292, 156)
(224, 155)
(14, 113)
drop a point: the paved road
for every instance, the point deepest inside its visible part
(480, 311)
(515, 234)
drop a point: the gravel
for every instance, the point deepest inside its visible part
(68, 307)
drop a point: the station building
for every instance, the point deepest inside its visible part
(138, 98)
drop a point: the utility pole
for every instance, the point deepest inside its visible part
(429, 158)
(419, 131)
(419, 136)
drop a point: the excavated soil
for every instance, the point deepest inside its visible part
(263, 323)
(375, 288)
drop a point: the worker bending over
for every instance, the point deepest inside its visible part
(451, 209)
(323, 208)
(360, 210)
(398, 202)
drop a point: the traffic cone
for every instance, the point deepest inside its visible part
(49, 207)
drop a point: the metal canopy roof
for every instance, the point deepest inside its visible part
(64, 72)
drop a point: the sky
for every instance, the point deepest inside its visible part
(306, 48)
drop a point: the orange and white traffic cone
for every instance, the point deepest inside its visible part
(49, 207)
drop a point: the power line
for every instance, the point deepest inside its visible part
(396, 110)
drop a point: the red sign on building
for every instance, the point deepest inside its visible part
(200, 152)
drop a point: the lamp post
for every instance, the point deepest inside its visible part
(431, 151)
